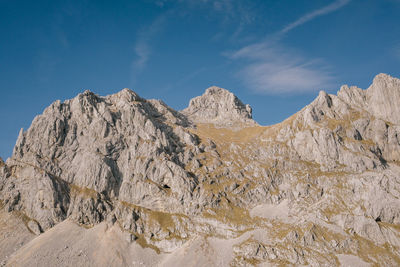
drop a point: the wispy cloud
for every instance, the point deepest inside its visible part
(185, 79)
(227, 12)
(142, 50)
(142, 47)
(316, 13)
(272, 68)
(233, 11)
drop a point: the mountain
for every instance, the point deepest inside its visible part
(220, 107)
(124, 181)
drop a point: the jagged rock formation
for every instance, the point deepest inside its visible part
(121, 180)
(219, 106)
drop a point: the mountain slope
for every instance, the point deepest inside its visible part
(158, 186)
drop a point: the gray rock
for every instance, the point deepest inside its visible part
(383, 98)
(219, 106)
(323, 182)
(34, 227)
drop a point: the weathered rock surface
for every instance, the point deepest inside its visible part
(219, 106)
(383, 97)
(121, 180)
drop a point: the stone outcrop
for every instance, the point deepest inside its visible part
(321, 184)
(80, 155)
(383, 98)
(219, 106)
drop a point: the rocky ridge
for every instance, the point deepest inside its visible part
(320, 188)
(220, 107)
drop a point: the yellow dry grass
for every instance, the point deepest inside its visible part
(84, 191)
(228, 135)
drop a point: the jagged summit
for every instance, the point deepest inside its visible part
(220, 107)
(126, 181)
(385, 78)
(383, 98)
(129, 94)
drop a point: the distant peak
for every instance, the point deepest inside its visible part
(88, 92)
(324, 99)
(126, 91)
(382, 77)
(383, 80)
(380, 99)
(216, 90)
(128, 94)
(322, 94)
(218, 106)
(384, 97)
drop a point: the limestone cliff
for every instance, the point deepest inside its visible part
(219, 106)
(121, 180)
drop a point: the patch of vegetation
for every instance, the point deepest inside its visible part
(376, 255)
(141, 240)
(163, 219)
(84, 191)
(232, 215)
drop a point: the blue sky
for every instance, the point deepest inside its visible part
(274, 55)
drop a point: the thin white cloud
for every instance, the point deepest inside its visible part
(316, 13)
(142, 47)
(142, 50)
(274, 69)
(184, 79)
(270, 67)
(228, 11)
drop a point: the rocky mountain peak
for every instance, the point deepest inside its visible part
(128, 95)
(352, 95)
(384, 98)
(215, 91)
(383, 78)
(324, 99)
(220, 107)
(381, 100)
(123, 180)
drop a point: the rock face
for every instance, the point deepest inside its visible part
(81, 155)
(148, 184)
(384, 98)
(219, 106)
